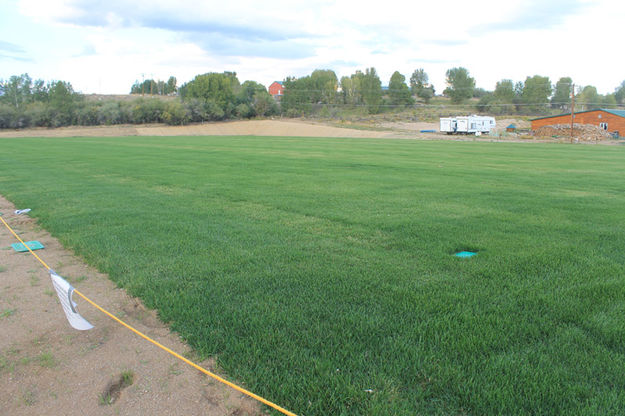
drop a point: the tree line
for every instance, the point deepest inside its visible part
(220, 96)
(537, 95)
(155, 87)
(361, 89)
(534, 96)
(208, 97)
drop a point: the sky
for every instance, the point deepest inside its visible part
(104, 46)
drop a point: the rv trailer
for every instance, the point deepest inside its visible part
(467, 125)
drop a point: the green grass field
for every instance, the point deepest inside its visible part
(317, 269)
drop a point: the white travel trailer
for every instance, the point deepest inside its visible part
(467, 124)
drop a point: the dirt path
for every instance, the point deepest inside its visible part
(48, 368)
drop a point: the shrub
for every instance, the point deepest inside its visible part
(244, 111)
(175, 114)
(8, 115)
(87, 114)
(39, 115)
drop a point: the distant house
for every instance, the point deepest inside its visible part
(276, 89)
(613, 121)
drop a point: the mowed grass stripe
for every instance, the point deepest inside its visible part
(318, 269)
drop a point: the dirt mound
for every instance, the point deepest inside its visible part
(584, 132)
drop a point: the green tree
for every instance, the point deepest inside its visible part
(609, 100)
(149, 86)
(216, 90)
(301, 94)
(40, 91)
(536, 93)
(297, 98)
(257, 99)
(62, 102)
(460, 85)
(426, 94)
(17, 90)
(619, 93)
(420, 86)
(347, 91)
(323, 84)
(418, 80)
(371, 90)
(264, 105)
(562, 93)
(504, 91)
(492, 105)
(155, 87)
(351, 88)
(171, 87)
(479, 92)
(248, 90)
(589, 98)
(399, 91)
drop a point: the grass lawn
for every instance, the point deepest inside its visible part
(320, 271)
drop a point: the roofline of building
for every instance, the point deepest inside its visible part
(580, 112)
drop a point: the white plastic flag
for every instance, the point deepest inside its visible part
(65, 292)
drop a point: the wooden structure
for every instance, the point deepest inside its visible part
(613, 121)
(511, 128)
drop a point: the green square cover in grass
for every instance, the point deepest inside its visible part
(33, 245)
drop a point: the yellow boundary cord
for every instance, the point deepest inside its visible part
(142, 335)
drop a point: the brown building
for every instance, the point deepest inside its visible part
(612, 121)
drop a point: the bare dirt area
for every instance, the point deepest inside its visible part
(298, 128)
(49, 368)
(502, 124)
(293, 128)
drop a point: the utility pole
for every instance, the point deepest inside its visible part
(142, 84)
(572, 110)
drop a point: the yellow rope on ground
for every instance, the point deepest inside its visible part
(161, 346)
(22, 241)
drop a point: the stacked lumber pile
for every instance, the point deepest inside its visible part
(584, 132)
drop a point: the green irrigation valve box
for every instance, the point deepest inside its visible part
(464, 254)
(33, 245)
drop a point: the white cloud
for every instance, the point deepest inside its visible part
(274, 39)
(48, 10)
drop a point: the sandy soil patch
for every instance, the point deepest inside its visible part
(293, 128)
(48, 368)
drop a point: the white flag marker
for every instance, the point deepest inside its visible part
(65, 292)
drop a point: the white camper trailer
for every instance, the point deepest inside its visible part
(467, 125)
(449, 125)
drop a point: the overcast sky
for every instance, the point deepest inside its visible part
(104, 46)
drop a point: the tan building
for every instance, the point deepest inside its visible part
(612, 121)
